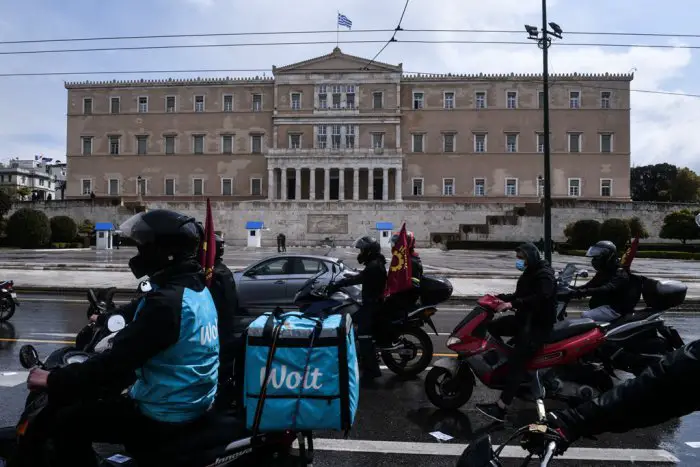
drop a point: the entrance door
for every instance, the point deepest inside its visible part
(378, 188)
(291, 187)
(335, 188)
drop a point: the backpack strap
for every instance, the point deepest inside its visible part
(268, 367)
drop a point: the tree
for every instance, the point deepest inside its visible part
(583, 233)
(63, 229)
(5, 203)
(28, 228)
(664, 182)
(617, 231)
(87, 227)
(680, 225)
(23, 192)
(686, 186)
(637, 228)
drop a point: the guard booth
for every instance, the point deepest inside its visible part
(103, 235)
(384, 229)
(254, 229)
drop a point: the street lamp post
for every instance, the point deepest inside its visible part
(543, 42)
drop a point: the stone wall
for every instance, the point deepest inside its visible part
(307, 223)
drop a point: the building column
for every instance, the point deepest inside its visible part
(326, 184)
(385, 184)
(283, 174)
(312, 183)
(271, 184)
(341, 184)
(399, 185)
(356, 184)
(297, 188)
(370, 184)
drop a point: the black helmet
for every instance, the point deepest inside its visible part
(369, 249)
(220, 245)
(163, 238)
(604, 254)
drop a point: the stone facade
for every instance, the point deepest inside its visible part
(307, 223)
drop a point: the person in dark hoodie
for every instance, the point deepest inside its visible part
(534, 302)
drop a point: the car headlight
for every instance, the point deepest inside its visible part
(453, 341)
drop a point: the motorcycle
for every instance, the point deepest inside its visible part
(538, 439)
(8, 300)
(570, 375)
(636, 340)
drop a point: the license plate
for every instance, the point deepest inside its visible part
(13, 295)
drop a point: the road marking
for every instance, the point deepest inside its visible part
(53, 334)
(36, 341)
(446, 449)
(384, 367)
(10, 379)
(693, 444)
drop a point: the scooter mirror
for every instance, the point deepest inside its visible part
(116, 323)
(92, 298)
(28, 356)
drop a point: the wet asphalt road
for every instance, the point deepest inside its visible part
(396, 411)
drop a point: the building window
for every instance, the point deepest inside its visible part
(480, 142)
(87, 145)
(143, 104)
(86, 186)
(350, 136)
(605, 99)
(41, 182)
(350, 96)
(480, 99)
(574, 187)
(170, 104)
(197, 186)
(512, 142)
(418, 98)
(512, 99)
(479, 187)
(540, 99)
(227, 186)
(574, 142)
(170, 145)
(256, 186)
(198, 144)
(294, 140)
(511, 187)
(540, 185)
(141, 144)
(256, 144)
(418, 140)
(113, 188)
(574, 99)
(417, 187)
(87, 106)
(114, 145)
(141, 186)
(296, 101)
(170, 187)
(606, 187)
(321, 137)
(228, 103)
(199, 103)
(540, 142)
(336, 94)
(377, 100)
(606, 142)
(448, 142)
(114, 105)
(322, 97)
(227, 144)
(448, 186)
(335, 136)
(257, 102)
(449, 100)
(377, 140)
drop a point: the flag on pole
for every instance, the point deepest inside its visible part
(400, 271)
(344, 21)
(628, 257)
(207, 248)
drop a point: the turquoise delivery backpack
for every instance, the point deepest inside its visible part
(309, 362)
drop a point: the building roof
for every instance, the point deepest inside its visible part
(337, 61)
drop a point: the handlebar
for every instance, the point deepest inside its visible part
(549, 453)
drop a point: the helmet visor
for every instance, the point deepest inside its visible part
(596, 251)
(137, 229)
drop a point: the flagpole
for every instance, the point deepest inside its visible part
(337, 29)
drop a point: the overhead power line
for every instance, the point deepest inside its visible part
(392, 38)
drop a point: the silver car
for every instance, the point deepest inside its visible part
(273, 282)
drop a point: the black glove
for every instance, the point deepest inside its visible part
(559, 432)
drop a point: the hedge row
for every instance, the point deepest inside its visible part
(30, 228)
(646, 254)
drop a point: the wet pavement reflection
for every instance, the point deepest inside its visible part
(392, 410)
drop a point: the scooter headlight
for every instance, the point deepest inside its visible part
(453, 341)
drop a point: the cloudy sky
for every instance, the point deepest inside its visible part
(32, 114)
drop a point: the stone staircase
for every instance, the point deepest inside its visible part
(511, 218)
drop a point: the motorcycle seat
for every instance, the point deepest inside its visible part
(637, 315)
(570, 328)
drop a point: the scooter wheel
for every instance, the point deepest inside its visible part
(447, 391)
(415, 364)
(8, 311)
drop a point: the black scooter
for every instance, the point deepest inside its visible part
(8, 300)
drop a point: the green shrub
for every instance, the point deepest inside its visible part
(680, 225)
(86, 227)
(28, 228)
(582, 234)
(617, 231)
(637, 228)
(63, 229)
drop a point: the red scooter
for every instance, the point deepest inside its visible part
(564, 371)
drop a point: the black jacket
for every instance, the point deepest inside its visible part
(535, 297)
(373, 281)
(665, 390)
(416, 269)
(223, 291)
(157, 328)
(612, 287)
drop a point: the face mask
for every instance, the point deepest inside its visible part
(597, 263)
(520, 264)
(139, 266)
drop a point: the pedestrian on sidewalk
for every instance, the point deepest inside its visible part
(281, 243)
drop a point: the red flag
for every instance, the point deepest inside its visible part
(628, 257)
(207, 249)
(400, 271)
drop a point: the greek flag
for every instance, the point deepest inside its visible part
(344, 21)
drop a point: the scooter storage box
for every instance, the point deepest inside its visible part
(663, 295)
(434, 290)
(312, 372)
